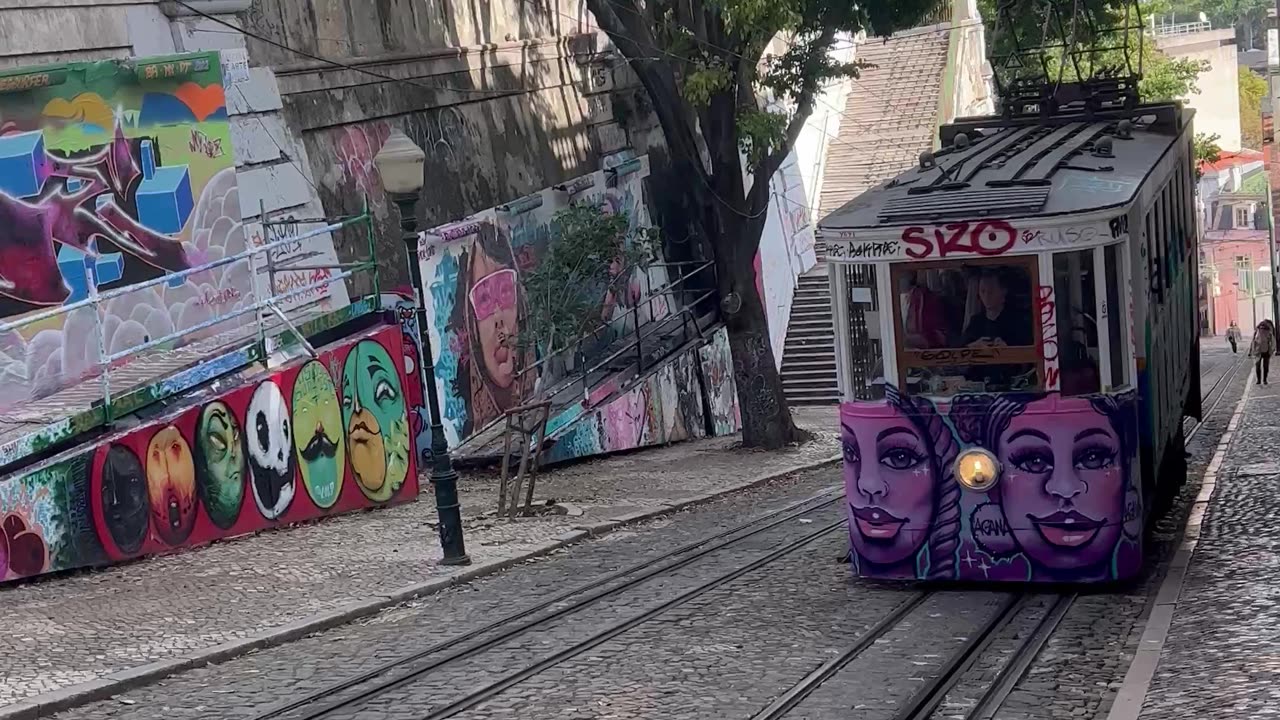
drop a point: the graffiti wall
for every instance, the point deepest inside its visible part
(472, 274)
(113, 173)
(419, 419)
(666, 407)
(787, 250)
(1067, 506)
(316, 437)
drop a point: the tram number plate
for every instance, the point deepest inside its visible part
(984, 237)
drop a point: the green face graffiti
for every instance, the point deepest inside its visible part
(317, 434)
(373, 409)
(220, 463)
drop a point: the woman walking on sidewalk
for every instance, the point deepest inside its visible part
(1263, 346)
(1233, 336)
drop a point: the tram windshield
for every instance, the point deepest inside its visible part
(967, 326)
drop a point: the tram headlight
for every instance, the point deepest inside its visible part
(977, 470)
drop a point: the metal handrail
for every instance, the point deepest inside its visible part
(576, 344)
(685, 313)
(271, 302)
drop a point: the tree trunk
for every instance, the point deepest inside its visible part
(766, 417)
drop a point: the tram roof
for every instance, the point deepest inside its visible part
(1012, 170)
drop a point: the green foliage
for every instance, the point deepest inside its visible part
(1253, 88)
(591, 253)
(715, 49)
(1207, 151)
(1119, 50)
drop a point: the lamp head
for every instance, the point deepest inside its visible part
(400, 163)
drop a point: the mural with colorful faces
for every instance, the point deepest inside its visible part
(904, 514)
(1066, 508)
(374, 410)
(185, 479)
(472, 272)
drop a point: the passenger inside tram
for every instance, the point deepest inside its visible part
(961, 312)
(996, 324)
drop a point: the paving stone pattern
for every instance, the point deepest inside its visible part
(235, 689)
(60, 631)
(1083, 665)
(727, 653)
(449, 683)
(1223, 651)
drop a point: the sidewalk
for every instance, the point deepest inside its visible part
(1220, 602)
(94, 633)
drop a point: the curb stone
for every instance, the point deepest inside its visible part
(111, 684)
(1132, 693)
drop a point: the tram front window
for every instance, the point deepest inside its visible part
(967, 326)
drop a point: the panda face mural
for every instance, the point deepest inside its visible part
(271, 457)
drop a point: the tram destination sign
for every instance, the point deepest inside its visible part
(972, 238)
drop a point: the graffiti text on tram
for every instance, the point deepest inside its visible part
(983, 237)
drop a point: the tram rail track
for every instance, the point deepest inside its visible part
(924, 703)
(1191, 426)
(353, 692)
(377, 681)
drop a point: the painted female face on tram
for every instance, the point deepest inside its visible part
(1065, 476)
(891, 473)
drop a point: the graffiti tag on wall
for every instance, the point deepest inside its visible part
(317, 437)
(472, 272)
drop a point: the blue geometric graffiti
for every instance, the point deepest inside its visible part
(77, 268)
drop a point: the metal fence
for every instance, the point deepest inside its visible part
(271, 311)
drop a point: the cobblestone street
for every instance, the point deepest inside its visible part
(746, 603)
(60, 633)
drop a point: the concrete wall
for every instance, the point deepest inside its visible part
(1218, 102)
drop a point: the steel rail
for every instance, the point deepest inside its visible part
(1008, 677)
(811, 682)
(493, 689)
(781, 515)
(1189, 432)
(924, 702)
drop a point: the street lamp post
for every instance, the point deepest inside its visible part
(400, 163)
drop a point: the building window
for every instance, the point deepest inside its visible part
(1244, 274)
(1242, 216)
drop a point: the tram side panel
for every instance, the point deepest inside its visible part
(1163, 287)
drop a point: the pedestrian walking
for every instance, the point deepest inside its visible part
(1233, 337)
(1262, 348)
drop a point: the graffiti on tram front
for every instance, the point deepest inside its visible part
(1067, 507)
(984, 237)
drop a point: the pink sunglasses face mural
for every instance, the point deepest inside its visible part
(493, 300)
(1066, 507)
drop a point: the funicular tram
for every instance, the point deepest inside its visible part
(1017, 343)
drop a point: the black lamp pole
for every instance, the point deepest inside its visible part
(443, 476)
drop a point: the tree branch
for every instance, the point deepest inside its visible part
(759, 194)
(638, 46)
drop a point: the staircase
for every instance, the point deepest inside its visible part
(809, 355)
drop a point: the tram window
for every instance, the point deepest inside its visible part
(966, 326)
(866, 353)
(1077, 325)
(1115, 317)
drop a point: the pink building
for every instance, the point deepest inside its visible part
(1235, 269)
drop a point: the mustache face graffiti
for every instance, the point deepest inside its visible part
(317, 427)
(320, 447)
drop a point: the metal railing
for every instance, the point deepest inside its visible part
(686, 312)
(269, 305)
(639, 331)
(1175, 29)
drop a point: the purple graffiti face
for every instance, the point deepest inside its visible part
(889, 479)
(1063, 490)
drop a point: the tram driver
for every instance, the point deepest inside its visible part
(996, 324)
